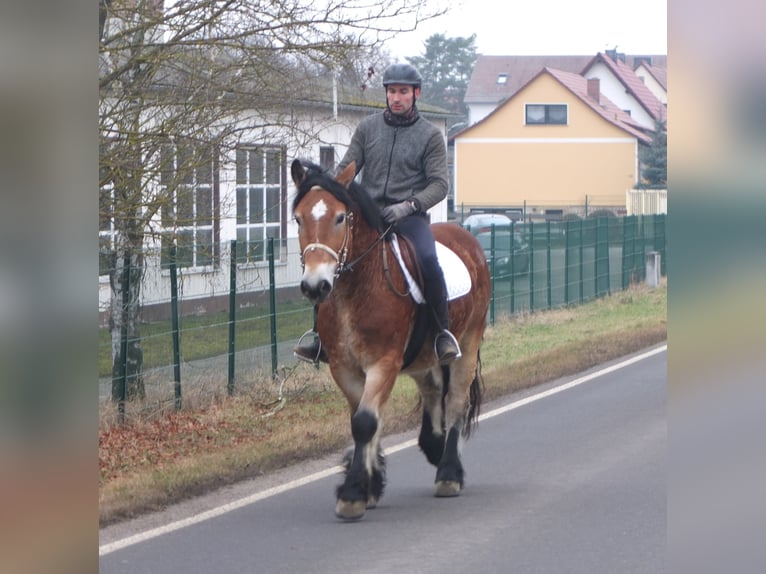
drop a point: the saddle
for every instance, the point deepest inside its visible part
(456, 278)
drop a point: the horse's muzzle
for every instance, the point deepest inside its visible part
(316, 292)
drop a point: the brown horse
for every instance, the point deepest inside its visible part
(372, 330)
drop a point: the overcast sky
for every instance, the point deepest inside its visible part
(546, 27)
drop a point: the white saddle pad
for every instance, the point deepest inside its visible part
(456, 274)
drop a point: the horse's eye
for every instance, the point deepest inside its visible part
(298, 220)
(340, 219)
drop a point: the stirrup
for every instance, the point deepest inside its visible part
(450, 355)
(312, 352)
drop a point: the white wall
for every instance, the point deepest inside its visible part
(477, 112)
(613, 89)
(653, 85)
(205, 283)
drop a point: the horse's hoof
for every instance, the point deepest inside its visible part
(372, 502)
(350, 509)
(446, 488)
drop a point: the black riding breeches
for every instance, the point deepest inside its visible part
(418, 230)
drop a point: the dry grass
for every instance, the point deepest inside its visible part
(162, 456)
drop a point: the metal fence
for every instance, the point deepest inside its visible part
(554, 264)
(244, 330)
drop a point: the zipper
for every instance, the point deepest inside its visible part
(388, 171)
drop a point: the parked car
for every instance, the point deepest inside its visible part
(503, 252)
(482, 222)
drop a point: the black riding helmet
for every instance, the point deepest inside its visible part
(402, 74)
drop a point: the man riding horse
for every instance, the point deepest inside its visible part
(403, 160)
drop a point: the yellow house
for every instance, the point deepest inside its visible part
(556, 146)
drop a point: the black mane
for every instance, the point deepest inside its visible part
(355, 198)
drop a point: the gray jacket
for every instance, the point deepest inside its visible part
(399, 163)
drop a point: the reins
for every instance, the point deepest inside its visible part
(387, 275)
(370, 248)
(386, 271)
(341, 256)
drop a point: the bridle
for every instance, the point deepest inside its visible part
(341, 255)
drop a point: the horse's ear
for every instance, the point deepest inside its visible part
(347, 175)
(297, 172)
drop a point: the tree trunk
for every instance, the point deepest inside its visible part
(127, 355)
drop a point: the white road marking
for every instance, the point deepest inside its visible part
(268, 493)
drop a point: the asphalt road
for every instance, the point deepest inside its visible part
(559, 480)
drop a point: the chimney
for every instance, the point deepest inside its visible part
(594, 89)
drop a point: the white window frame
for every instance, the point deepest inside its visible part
(260, 198)
(190, 212)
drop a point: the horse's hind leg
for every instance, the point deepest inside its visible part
(457, 402)
(431, 437)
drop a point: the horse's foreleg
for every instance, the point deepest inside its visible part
(365, 476)
(364, 480)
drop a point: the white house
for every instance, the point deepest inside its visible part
(655, 78)
(245, 194)
(622, 86)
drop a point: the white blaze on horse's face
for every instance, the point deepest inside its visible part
(319, 209)
(323, 235)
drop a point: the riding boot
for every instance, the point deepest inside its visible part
(446, 346)
(311, 350)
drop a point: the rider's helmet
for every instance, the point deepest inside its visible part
(402, 74)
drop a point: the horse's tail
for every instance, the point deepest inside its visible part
(475, 395)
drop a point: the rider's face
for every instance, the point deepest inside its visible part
(401, 97)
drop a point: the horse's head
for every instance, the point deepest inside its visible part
(322, 210)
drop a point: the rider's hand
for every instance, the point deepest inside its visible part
(393, 213)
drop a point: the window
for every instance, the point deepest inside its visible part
(107, 231)
(260, 197)
(537, 114)
(502, 79)
(327, 157)
(189, 188)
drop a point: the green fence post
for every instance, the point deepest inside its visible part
(512, 282)
(232, 315)
(582, 263)
(174, 328)
(548, 260)
(601, 259)
(567, 241)
(660, 239)
(532, 267)
(123, 373)
(272, 308)
(492, 274)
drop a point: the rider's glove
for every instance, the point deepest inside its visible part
(393, 213)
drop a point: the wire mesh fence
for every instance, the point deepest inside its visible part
(233, 325)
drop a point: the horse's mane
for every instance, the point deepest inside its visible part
(355, 198)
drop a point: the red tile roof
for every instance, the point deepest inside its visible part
(483, 86)
(659, 74)
(578, 85)
(633, 84)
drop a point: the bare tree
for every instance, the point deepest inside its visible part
(176, 80)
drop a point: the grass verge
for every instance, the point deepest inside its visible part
(161, 457)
